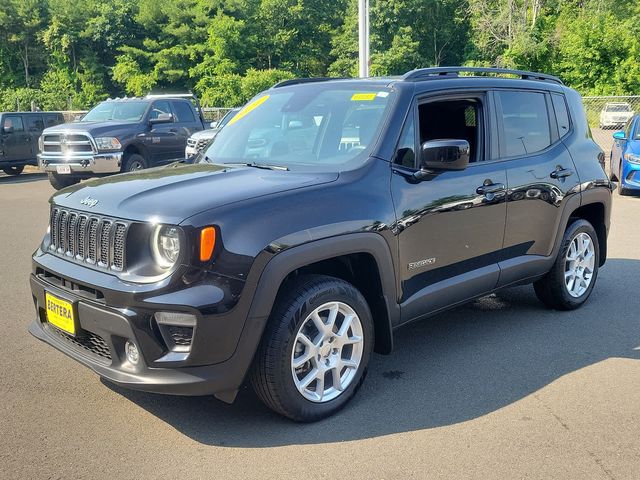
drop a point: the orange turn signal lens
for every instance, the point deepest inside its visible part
(207, 243)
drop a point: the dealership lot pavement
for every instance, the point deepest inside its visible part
(501, 388)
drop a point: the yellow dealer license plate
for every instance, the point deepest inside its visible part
(60, 314)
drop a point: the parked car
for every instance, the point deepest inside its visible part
(625, 157)
(200, 139)
(290, 258)
(615, 114)
(19, 138)
(120, 135)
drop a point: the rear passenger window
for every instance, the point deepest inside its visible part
(562, 115)
(525, 123)
(35, 123)
(184, 113)
(52, 120)
(13, 122)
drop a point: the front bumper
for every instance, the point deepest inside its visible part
(219, 358)
(82, 163)
(630, 178)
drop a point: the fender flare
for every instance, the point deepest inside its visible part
(286, 262)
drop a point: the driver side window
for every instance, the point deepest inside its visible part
(159, 108)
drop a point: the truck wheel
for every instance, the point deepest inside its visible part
(61, 181)
(315, 348)
(13, 170)
(571, 279)
(134, 162)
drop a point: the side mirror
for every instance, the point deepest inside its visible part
(442, 155)
(213, 125)
(162, 118)
(7, 129)
(619, 136)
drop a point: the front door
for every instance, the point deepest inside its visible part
(16, 142)
(450, 226)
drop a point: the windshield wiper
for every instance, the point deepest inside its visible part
(264, 166)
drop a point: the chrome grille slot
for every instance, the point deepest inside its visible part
(88, 239)
(105, 229)
(71, 234)
(82, 226)
(93, 241)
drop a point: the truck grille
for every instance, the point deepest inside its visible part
(99, 241)
(67, 143)
(198, 145)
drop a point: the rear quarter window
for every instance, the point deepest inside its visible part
(562, 114)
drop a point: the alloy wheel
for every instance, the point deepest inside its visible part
(579, 265)
(327, 352)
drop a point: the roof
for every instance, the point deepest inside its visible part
(435, 73)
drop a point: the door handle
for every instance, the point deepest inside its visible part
(560, 172)
(490, 187)
(173, 130)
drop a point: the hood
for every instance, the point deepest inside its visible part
(205, 134)
(111, 129)
(175, 192)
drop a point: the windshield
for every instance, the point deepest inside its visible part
(625, 107)
(228, 117)
(130, 111)
(314, 126)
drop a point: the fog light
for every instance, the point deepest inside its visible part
(131, 351)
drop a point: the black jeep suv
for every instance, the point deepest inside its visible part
(120, 135)
(324, 216)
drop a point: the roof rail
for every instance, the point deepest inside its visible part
(434, 72)
(296, 81)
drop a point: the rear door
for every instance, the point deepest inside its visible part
(541, 175)
(16, 142)
(34, 126)
(186, 121)
(163, 141)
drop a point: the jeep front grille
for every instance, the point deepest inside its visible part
(92, 239)
(67, 143)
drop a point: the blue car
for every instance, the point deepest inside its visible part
(625, 157)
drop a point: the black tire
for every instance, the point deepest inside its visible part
(551, 289)
(61, 181)
(271, 374)
(133, 163)
(13, 170)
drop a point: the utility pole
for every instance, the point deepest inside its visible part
(363, 37)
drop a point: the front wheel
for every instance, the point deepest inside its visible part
(61, 181)
(13, 170)
(315, 349)
(571, 279)
(134, 162)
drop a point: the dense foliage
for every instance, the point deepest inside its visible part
(72, 53)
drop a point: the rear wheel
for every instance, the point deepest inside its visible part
(61, 181)
(134, 162)
(315, 349)
(571, 279)
(13, 170)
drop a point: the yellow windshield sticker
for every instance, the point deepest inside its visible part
(248, 109)
(363, 97)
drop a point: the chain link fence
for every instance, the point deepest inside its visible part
(210, 114)
(607, 115)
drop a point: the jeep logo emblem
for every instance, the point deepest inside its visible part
(89, 202)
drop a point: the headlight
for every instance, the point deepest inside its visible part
(108, 143)
(165, 245)
(632, 157)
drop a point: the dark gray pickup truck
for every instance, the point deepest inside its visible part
(120, 135)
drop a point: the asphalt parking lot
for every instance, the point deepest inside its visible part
(501, 388)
